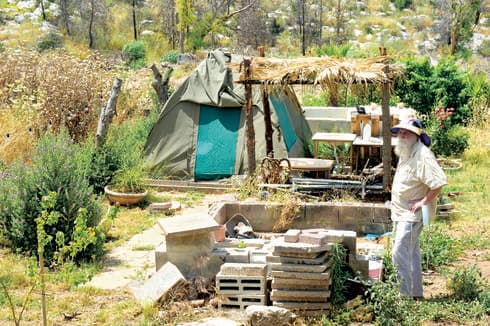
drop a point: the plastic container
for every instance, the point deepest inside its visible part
(425, 214)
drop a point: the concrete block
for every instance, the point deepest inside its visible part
(192, 254)
(299, 249)
(292, 235)
(234, 284)
(161, 257)
(158, 285)
(241, 301)
(237, 255)
(259, 256)
(237, 269)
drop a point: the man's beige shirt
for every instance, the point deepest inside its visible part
(414, 177)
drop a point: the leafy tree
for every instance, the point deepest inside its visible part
(415, 87)
(186, 19)
(425, 87)
(463, 18)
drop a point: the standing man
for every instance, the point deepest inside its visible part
(417, 182)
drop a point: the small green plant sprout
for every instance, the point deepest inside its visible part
(242, 244)
(48, 217)
(82, 237)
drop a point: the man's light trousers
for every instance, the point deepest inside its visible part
(406, 258)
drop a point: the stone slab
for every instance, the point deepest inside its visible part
(292, 235)
(182, 225)
(161, 256)
(300, 249)
(299, 268)
(301, 296)
(237, 269)
(300, 284)
(320, 259)
(307, 276)
(302, 305)
(158, 285)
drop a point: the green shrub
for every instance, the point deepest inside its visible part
(425, 87)
(437, 247)
(448, 139)
(171, 56)
(136, 54)
(58, 165)
(402, 4)
(50, 41)
(467, 283)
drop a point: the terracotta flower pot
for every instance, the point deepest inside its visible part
(124, 198)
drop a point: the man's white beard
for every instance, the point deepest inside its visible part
(404, 147)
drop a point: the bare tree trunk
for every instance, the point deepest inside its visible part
(454, 40)
(65, 15)
(107, 113)
(42, 10)
(135, 30)
(160, 83)
(90, 25)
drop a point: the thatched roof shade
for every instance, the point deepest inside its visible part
(324, 71)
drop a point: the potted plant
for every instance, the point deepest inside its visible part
(127, 187)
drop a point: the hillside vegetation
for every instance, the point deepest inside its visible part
(58, 61)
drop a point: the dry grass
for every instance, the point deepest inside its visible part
(39, 92)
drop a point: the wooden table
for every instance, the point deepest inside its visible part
(359, 143)
(333, 138)
(310, 164)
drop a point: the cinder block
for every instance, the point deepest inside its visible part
(292, 235)
(240, 285)
(237, 255)
(240, 269)
(241, 301)
(259, 256)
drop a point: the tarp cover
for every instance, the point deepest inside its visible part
(196, 137)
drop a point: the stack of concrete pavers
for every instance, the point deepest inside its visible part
(301, 277)
(241, 285)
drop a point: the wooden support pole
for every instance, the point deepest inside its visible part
(267, 114)
(385, 106)
(249, 127)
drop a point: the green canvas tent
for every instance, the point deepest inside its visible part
(200, 133)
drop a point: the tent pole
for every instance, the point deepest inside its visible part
(249, 119)
(267, 114)
(385, 106)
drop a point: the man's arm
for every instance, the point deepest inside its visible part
(431, 194)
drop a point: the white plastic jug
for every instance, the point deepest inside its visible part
(366, 132)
